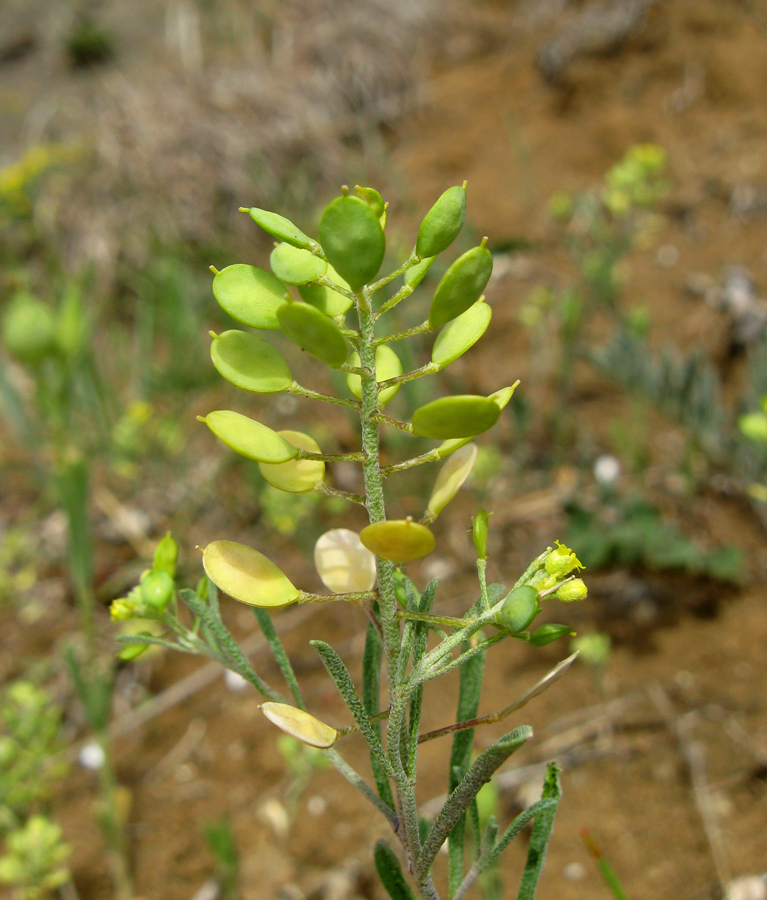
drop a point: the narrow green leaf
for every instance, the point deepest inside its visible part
(280, 656)
(72, 480)
(416, 698)
(479, 773)
(539, 840)
(390, 872)
(340, 674)
(371, 677)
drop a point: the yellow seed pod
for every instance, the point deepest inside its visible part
(450, 478)
(297, 476)
(343, 562)
(247, 575)
(398, 540)
(300, 725)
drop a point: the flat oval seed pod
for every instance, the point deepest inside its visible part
(398, 540)
(296, 266)
(300, 725)
(248, 437)
(461, 334)
(250, 295)
(450, 478)
(450, 446)
(441, 224)
(388, 365)
(314, 332)
(28, 329)
(416, 274)
(455, 417)
(280, 227)
(247, 575)
(249, 362)
(297, 476)
(519, 608)
(373, 199)
(353, 240)
(343, 562)
(461, 286)
(326, 299)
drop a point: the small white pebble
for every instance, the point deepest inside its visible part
(211, 890)
(750, 887)
(668, 256)
(91, 757)
(574, 871)
(607, 469)
(234, 681)
(316, 806)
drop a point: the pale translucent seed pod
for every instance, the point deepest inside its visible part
(301, 725)
(343, 563)
(450, 479)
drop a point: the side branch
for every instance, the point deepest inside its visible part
(296, 388)
(401, 335)
(428, 369)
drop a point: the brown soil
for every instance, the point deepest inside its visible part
(693, 81)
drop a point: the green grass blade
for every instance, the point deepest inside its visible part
(390, 873)
(280, 656)
(371, 677)
(539, 840)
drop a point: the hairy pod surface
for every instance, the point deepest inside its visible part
(519, 608)
(301, 725)
(247, 575)
(297, 476)
(249, 362)
(325, 298)
(462, 416)
(248, 437)
(461, 334)
(343, 562)
(442, 223)
(314, 332)
(250, 295)
(296, 266)
(353, 240)
(398, 540)
(388, 365)
(280, 227)
(461, 286)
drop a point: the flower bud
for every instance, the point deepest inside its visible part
(546, 634)
(166, 556)
(479, 533)
(122, 610)
(571, 591)
(562, 561)
(157, 590)
(519, 608)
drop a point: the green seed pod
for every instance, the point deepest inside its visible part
(388, 365)
(572, 591)
(295, 266)
(442, 223)
(416, 274)
(248, 437)
(447, 447)
(29, 330)
(71, 325)
(450, 478)
(503, 396)
(249, 362)
(314, 332)
(519, 608)
(280, 227)
(455, 417)
(546, 634)
(300, 725)
(166, 556)
(297, 476)
(157, 590)
(132, 651)
(461, 334)
(373, 199)
(326, 299)
(343, 562)
(398, 540)
(353, 240)
(247, 575)
(461, 286)
(250, 295)
(479, 531)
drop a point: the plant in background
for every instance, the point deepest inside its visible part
(335, 278)
(34, 864)
(753, 426)
(220, 839)
(67, 421)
